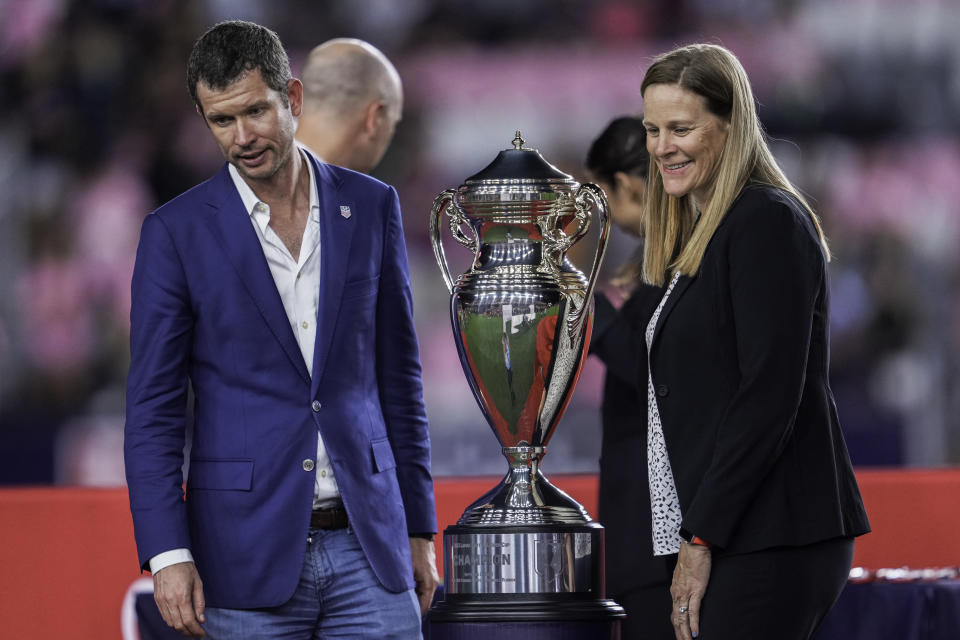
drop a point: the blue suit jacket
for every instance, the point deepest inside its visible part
(205, 309)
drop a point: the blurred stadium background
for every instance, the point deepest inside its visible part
(861, 98)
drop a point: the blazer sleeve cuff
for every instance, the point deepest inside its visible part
(167, 558)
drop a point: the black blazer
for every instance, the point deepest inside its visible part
(740, 363)
(624, 497)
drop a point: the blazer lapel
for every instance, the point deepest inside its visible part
(338, 219)
(682, 283)
(232, 226)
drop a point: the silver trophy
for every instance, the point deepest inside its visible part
(522, 316)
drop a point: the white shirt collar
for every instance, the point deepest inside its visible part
(251, 201)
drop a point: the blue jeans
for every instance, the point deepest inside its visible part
(338, 596)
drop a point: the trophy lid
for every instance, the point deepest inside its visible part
(519, 163)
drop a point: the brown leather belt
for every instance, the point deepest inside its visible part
(332, 518)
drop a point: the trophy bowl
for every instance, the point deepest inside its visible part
(522, 316)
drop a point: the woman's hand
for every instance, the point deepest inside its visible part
(690, 578)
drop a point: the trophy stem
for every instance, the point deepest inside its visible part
(521, 480)
(524, 497)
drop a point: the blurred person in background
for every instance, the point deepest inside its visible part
(636, 579)
(618, 161)
(352, 102)
(750, 480)
(309, 503)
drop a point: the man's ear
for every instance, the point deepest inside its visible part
(373, 116)
(202, 117)
(295, 96)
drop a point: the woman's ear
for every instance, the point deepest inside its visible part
(621, 181)
(630, 186)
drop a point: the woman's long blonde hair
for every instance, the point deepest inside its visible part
(673, 242)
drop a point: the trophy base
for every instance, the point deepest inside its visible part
(532, 582)
(553, 609)
(525, 552)
(529, 561)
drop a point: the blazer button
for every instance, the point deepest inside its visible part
(662, 390)
(308, 465)
(316, 406)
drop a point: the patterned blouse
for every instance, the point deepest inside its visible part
(664, 502)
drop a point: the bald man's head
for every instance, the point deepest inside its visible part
(350, 90)
(344, 74)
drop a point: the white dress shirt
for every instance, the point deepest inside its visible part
(298, 282)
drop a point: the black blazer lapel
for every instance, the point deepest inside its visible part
(682, 283)
(231, 225)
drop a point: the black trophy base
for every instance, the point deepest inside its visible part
(553, 617)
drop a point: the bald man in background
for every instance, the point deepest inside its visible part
(352, 101)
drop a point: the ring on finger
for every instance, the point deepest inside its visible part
(682, 608)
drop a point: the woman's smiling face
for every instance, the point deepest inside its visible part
(684, 139)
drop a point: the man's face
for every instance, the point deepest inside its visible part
(252, 124)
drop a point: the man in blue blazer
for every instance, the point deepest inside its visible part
(279, 290)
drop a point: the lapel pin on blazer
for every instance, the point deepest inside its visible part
(345, 211)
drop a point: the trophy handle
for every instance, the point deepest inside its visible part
(556, 241)
(583, 220)
(441, 204)
(591, 196)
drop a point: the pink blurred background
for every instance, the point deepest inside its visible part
(861, 99)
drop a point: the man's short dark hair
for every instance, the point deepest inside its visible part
(229, 49)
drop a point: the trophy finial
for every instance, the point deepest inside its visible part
(518, 141)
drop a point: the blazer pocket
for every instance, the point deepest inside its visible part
(360, 288)
(224, 474)
(383, 455)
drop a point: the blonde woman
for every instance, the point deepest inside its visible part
(750, 481)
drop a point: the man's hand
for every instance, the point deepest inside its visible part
(178, 592)
(424, 571)
(690, 579)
